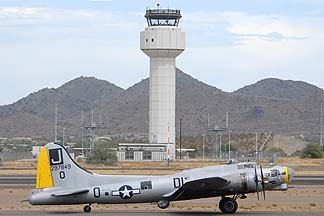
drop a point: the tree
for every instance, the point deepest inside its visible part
(102, 153)
(277, 150)
(312, 150)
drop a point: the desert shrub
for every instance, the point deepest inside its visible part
(277, 150)
(102, 154)
(312, 150)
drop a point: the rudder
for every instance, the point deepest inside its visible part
(44, 175)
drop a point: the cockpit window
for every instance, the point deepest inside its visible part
(274, 173)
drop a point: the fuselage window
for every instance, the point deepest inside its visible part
(96, 192)
(274, 173)
(146, 185)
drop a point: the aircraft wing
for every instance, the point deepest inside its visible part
(68, 192)
(197, 188)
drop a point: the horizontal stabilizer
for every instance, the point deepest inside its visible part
(69, 192)
(197, 187)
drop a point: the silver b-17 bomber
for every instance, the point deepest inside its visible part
(61, 181)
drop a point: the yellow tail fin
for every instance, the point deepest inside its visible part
(44, 174)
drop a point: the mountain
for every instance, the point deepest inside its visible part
(270, 105)
(281, 89)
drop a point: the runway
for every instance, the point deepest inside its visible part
(158, 213)
(29, 180)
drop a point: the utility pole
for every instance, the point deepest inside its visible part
(208, 121)
(229, 137)
(168, 149)
(82, 152)
(55, 132)
(229, 145)
(92, 127)
(91, 133)
(180, 137)
(63, 137)
(256, 145)
(217, 130)
(220, 145)
(203, 145)
(321, 126)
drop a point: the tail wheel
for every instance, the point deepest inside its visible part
(87, 208)
(228, 205)
(163, 204)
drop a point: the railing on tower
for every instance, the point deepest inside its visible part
(162, 17)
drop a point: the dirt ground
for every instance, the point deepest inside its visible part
(300, 198)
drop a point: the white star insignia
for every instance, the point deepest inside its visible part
(126, 192)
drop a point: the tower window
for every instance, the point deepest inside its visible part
(146, 40)
(152, 39)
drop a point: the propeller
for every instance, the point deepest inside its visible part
(256, 182)
(262, 182)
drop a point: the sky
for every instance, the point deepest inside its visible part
(230, 43)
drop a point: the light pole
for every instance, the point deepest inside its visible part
(321, 126)
(229, 145)
(55, 126)
(180, 137)
(63, 137)
(256, 145)
(203, 145)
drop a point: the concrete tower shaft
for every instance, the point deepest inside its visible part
(162, 41)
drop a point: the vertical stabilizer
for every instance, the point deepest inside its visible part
(44, 174)
(65, 172)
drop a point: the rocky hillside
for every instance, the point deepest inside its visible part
(281, 89)
(270, 105)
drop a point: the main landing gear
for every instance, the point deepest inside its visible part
(163, 204)
(229, 205)
(87, 208)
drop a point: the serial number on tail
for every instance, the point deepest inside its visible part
(61, 167)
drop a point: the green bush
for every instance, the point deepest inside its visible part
(277, 150)
(102, 154)
(312, 150)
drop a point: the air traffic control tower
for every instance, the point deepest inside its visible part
(162, 41)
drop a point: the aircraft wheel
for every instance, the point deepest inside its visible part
(87, 208)
(228, 205)
(163, 204)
